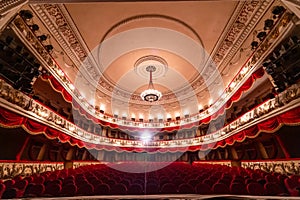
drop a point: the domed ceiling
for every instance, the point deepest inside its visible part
(104, 48)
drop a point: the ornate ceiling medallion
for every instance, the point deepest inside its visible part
(160, 64)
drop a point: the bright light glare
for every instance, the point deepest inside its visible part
(146, 137)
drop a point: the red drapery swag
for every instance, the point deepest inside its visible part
(237, 95)
(10, 119)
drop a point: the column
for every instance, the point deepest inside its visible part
(84, 155)
(201, 155)
(108, 133)
(104, 132)
(234, 153)
(100, 155)
(282, 146)
(262, 150)
(42, 152)
(219, 155)
(69, 155)
(19, 155)
(198, 132)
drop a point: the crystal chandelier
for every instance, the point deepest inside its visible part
(151, 94)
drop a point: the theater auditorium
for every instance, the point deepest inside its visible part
(149, 99)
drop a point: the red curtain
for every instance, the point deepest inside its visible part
(9, 119)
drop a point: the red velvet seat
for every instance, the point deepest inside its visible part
(85, 189)
(68, 190)
(135, 189)
(21, 185)
(292, 186)
(10, 193)
(185, 189)
(202, 188)
(39, 180)
(220, 188)
(2, 189)
(52, 190)
(9, 183)
(29, 179)
(152, 189)
(273, 189)
(255, 189)
(209, 182)
(34, 190)
(238, 189)
(102, 189)
(168, 188)
(271, 178)
(193, 182)
(119, 189)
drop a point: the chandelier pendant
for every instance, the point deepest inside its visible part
(151, 94)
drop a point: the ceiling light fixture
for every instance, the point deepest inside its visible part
(151, 94)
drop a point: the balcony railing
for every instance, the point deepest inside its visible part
(20, 103)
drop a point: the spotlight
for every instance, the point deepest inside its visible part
(146, 137)
(277, 10)
(19, 49)
(8, 40)
(26, 14)
(34, 27)
(269, 24)
(49, 48)
(261, 35)
(254, 45)
(42, 37)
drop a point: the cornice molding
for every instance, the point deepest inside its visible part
(7, 5)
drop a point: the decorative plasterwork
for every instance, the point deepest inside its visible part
(6, 6)
(9, 170)
(57, 20)
(161, 66)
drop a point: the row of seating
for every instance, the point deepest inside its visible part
(176, 178)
